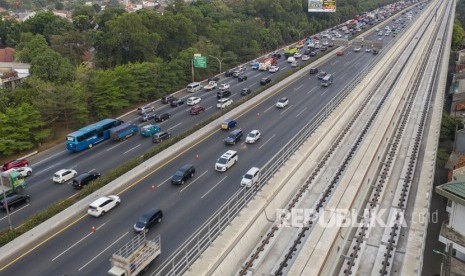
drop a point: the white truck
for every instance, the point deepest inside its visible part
(135, 256)
(210, 86)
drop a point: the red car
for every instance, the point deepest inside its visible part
(196, 109)
(15, 164)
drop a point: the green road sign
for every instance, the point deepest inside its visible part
(200, 62)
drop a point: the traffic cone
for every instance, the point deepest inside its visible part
(153, 188)
(197, 156)
(93, 229)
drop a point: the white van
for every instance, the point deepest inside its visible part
(251, 177)
(192, 87)
(227, 160)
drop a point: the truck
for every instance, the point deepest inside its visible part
(290, 52)
(266, 63)
(123, 131)
(135, 256)
(210, 86)
(149, 130)
(375, 51)
(13, 183)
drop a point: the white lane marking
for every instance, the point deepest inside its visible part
(173, 126)
(45, 159)
(214, 186)
(311, 90)
(118, 144)
(208, 108)
(76, 243)
(102, 251)
(286, 109)
(300, 113)
(324, 91)
(268, 108)
(161, 184)
(193, 181)
(298, 87)
(131, 149)
(263, 144)
(17, 210)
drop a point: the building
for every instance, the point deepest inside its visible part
(452, 232)
(12, 74)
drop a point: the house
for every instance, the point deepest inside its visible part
(452, 232)
(12, 74)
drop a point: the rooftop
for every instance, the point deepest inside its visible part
(454, 190)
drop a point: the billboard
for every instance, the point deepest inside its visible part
(321, 5)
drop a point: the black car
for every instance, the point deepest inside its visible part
(14, 201)
(167, 99)
(242, 78)
(313, 53)
(323, 48)
(307, 52)
(265, 81)
(148, 219)
(177, 102)
(277, 55)
(214, 79)
(183, 174)
(313, 70)
(322, 75)
(245, 91)
(233, 137)
(161, 117)
(84, 179)
(161, 136)
(223, 94)
(228, 73)
(147, 116)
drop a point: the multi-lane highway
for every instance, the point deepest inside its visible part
(74, 250)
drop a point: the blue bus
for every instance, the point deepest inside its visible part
(90, 135)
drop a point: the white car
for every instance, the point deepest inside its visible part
(325, 43)
(253, 137)
(297, 55)
(193, 100)
(64, 175)
(294, 64)
(224, 102)
(290, 59)
(282, 103)
(367, 50)
(23, 171)
(251, 177)
(102, 205)
(224, 86)
(305, 57)
(273, 69)
(357, 49)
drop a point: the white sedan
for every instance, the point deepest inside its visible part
(297, 55)
(193, 100)
(224, 86)
(64, 175)
(357, 49)
(224, 102)
(273, 69)
(305, 57)
(253, 137)
(23, 171)
(102, 205)
(282, 103)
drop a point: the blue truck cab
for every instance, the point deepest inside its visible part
(228, 124)
(149, 130)
(123, 131)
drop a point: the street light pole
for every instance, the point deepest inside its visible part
(219, 60)
(6, 202)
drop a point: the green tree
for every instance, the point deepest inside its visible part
(72, 45)
(22, 129)
(84, 17)
(51, 66)
(46, 24)
(30, 46)
(9, 32)
(457, 37)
